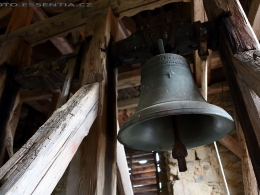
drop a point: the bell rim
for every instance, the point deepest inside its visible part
(178, 107)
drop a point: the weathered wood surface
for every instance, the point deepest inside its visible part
(150, 168)
(243, 38)
(75, 19)
(61, 43)
(12, 124)
(145, 182)
(148, 188)
(148, 175)
(38, 165)
(59, 25)
(93, 171)
(249, 180)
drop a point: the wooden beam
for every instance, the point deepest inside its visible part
(150, 168)
(130, 8)
(34, 95)
(12, 124)
(57, 26)
(254, 17)
(148, 175)
(40, 163)
(249, 180)
(199, 14)
(231, 144)
(99, 165)
(149, 188)
(129, 79)
(123, 173)
(145, 182)
(61, 43)
(233, 64)
(21, 17)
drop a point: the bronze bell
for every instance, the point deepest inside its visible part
(167, 91)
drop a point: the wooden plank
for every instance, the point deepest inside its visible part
(145, 182)
(249, 180)
(254, 17)
(148, 175)
(151, 168)
(39, 164)
(137, 159)
(59, 25)
(61, 43)
(248, 69)
(129, 79)
(34, 95)
(149, 188)
(147, 193)
(247, 40)
(231, 144)
(123, 172)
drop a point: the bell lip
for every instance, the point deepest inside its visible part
(174, 108)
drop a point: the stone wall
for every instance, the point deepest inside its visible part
(203, 176)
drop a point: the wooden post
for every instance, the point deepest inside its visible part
(249, 180)
(237, 37)
(93, 169)
(37, 167)
(15, 53)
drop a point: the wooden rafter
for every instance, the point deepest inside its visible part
(61, 43)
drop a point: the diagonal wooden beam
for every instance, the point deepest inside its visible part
(61, 43)
(39, 164)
